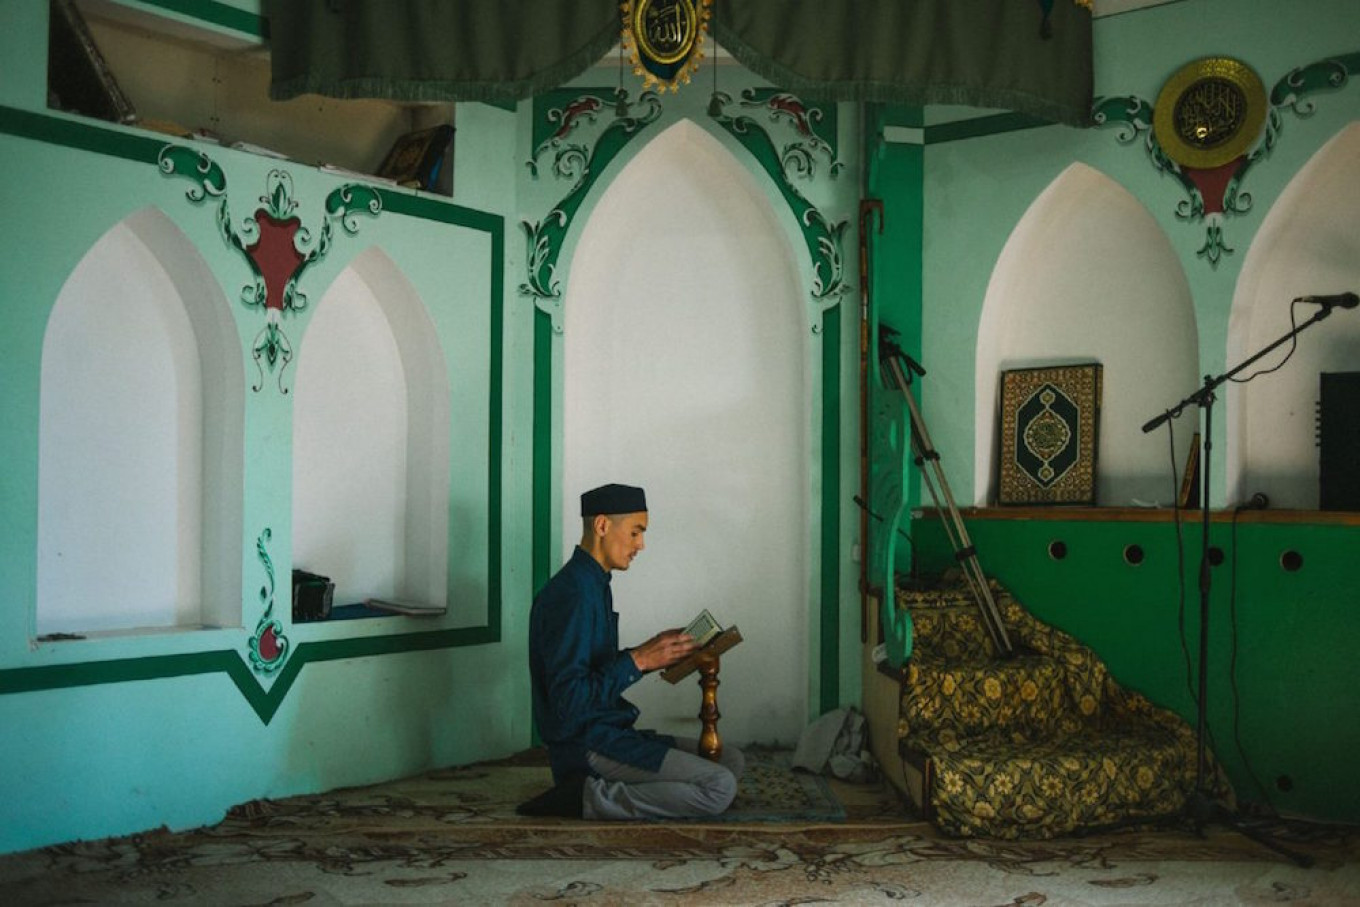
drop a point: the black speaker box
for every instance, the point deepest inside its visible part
(1339, 441)
(312, 595)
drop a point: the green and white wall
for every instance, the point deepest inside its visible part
(171, 682)
(1045, 244)
(691, 267)
(480, 306)
(409, 414)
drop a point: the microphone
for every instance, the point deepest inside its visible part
(1335, 301)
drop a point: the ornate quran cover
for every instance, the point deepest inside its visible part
(422, 160)
(1049, 420)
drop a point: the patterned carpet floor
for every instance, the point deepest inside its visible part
(451, 837)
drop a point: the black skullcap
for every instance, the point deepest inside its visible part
(612, 499)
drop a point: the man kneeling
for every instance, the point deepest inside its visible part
(603, 767)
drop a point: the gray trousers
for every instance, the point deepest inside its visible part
(685, 786)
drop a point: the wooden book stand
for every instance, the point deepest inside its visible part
(705, 661)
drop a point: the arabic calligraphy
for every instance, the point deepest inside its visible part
(1210, 112)
(665, 28)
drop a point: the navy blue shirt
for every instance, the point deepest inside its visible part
(578, 674)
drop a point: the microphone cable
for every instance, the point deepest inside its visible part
(1293, 345)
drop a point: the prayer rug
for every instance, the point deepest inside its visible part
(451, 836)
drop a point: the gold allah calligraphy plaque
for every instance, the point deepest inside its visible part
(1210, 112)
(664, 38)
(665, 30)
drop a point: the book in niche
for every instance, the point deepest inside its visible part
(422, 160)
(703, 628)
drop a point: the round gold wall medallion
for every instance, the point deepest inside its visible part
(665, 30)
(1209, 112)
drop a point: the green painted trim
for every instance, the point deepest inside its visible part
(900, 115)
(542, 567)
(85, 136)
(114, 141)
(214, 13)
(110, 141)
(822, 238)
(495, 429)
(831, 512)
(424, 207)
(545, 238)
(981, 126)
(265, 702)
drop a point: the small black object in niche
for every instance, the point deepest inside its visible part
(312, 595)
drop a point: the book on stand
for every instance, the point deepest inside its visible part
(712, 639)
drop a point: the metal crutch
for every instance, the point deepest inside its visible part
(894, 358)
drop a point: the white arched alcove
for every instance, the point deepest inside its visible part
(371, 440)
(1308, 244)
(685, 363)
(1089, 276)
(140, 430)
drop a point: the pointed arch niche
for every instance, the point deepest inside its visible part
(1089, 276)
(1308, 244)
(686, 370)
(140, 440)
(371, 424)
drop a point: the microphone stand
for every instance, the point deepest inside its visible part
(1201, 807)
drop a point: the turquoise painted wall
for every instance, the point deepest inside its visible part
(978, 189)
(1296, 632)
(123, 733)
(129, 732)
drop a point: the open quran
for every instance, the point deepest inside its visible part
(703, 628)
(712, 639)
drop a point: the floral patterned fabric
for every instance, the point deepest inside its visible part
(1039, 745)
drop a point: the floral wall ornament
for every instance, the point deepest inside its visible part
(583, 162)
(273, 242)
(1211, 124)
(581, 110)
(823, 239)
(814, 129)
(664, 39)
(268, 646)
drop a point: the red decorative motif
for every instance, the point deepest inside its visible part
(269, 645)
(275, 255)
(576, 109)
(1213, 183)
(792, 108)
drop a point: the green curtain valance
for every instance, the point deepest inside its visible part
(982, 53)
